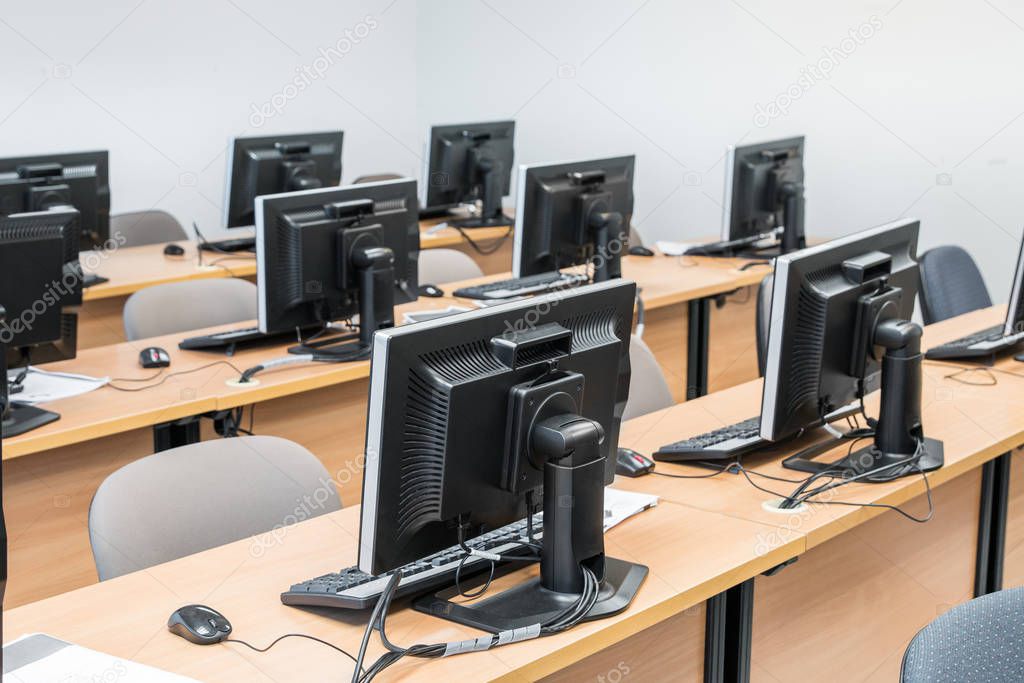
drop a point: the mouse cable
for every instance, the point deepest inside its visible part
(484, 251)
(291, 635)
(165, 377)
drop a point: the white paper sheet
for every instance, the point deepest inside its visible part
(41, 386)
(621, 505)
(67, 663)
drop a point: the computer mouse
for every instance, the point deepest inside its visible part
(199, 624)
(154, 357)
(432, 291)
(640, 251)
(174, 250)
(629, 463)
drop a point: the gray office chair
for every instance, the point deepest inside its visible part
(376, 178)
(438, 266)
(980, 640)
(951, 284)
(648, 390)
(184, 500)
(146, 227)
(183, 306)
(762, 317)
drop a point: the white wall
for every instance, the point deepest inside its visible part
(928, 93)
(922, 118)
(164, 84)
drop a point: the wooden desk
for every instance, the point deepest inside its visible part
(51, 473)
(130, 269)
(245, 585)
(870, 578)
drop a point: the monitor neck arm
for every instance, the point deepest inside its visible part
(375, 268)
(899, 423)
(492, 171)
(792, 195)
(607, 227)
(573, 500)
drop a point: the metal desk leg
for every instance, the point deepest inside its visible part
(698, 331)
(728, 635)
(995, 495)
(177, 433)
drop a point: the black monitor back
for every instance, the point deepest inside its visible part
(550, 232)
(811, 349)
(77, 179)
(450, 177)
(752, 178)
(278, 163)
(299, 247)
(440, 429)
(40, 285)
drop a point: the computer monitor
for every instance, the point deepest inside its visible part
(326, 255)
(55, 181)
(466, 163)
(764, 193)
(40, 290)
(473, 414)
(278, 163)
(572, 214)
(840, 327)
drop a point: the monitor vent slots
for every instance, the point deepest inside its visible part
(593, 329)
(388, 205)
(288, 264)
(464, 362)
(423, 449)
(805, 367)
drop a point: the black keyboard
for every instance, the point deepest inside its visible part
(222, 339)
(232, 245)
(730, 247)
(981, 343)
(354, 589)
(523, 286)
(721, 444)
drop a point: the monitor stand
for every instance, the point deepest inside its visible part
(375, 272)
(900, 448)
(573, 470)
(491, 215)
(18, 418)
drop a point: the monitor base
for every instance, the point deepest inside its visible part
(530, 603)
(501, 221)
(23, 417)
(871, 458)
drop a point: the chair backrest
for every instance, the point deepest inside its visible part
(951, 284)
(762, 317)
(146, 227)
(648, 390)
(184, 500)
(438, 266)
(183, 306)
(376, 178)
(980, 640)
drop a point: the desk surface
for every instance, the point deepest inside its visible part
(244, 580)
(130, 269)
(976, 424)
(724, 513)
(107, 411)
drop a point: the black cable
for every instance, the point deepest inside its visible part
(290, 635)
(499, 241)
(166, 377)
(747, 266)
